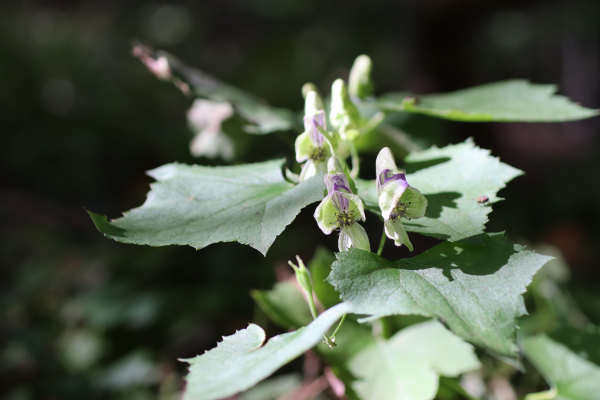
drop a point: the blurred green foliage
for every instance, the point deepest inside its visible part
(81, 120)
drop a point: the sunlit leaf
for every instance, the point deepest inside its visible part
(569, 359)
(408, 365)
(197, 206)
(475, 290)
(240, 361)
(508, 101)
(452, 178)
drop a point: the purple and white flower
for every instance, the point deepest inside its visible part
(313, 146)
(342, 210)
(397, 198)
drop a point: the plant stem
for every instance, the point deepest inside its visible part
(372, 123)
(311, 305)
(338, 327)
(381, 243)
(548, 395)
(355, 161)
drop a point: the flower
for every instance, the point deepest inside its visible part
(205, 118)
(397, 198)
(342, 209)
(344, 114)
(313, 146)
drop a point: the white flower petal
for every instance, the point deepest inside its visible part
(354, 236)
(394, 229)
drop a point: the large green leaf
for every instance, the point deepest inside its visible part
(198, 206)
(452, 178)
(262, 117)
(475, 290)
(240, 361)
(408, 365)
(569, 359)
(508, 101)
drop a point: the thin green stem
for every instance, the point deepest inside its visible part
(338, 327)
(311, 305)
(355, 161)
(381, 243)
(548, 395)
(372, 123)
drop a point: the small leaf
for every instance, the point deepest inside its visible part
(264, 118)
(197, 206)
(475, 290)
(240, 361)
(569, 359)
(452, 179)
(273, 388)
(408, 365)
(285, 305)
(508, 101)
(320, 267)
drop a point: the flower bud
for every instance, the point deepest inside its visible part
(308, 87)
(303, 276)
(359, 83)
(344, 114)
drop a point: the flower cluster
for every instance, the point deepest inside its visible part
(342, 210)
(397, 198)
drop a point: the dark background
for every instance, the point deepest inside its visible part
(81, 120)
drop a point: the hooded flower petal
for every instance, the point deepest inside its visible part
(385, 160)
(334, 166)
(390, 196)
(394, 229)
(385, 168)
(313, 124)
(313, 104)
(354, 236)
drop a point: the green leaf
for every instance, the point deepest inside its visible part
(273, 388)
(452, 179)
(320, 267)
(285, 305)
(408, 365)
(262, 117)
(569, 359)
(240, 361)
(198, 206)
(475, 290)
(508, 101)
